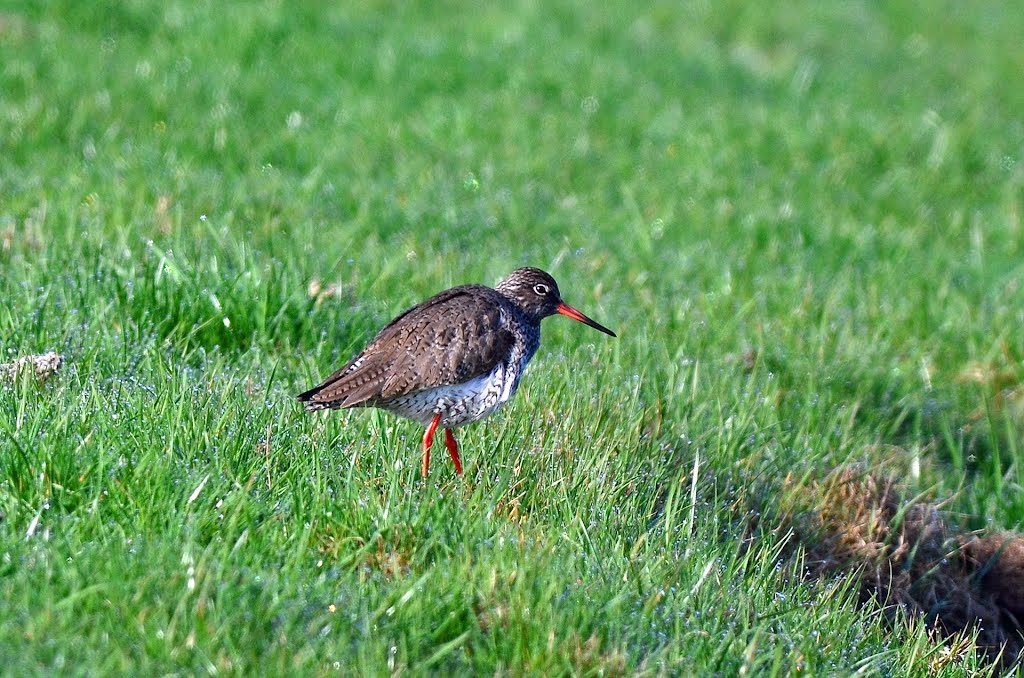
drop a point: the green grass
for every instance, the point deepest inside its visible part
(834, 189)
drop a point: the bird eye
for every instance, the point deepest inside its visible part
(541, 289)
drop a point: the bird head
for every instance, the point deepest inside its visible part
(536, 294)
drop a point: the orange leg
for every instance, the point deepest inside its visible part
(453, 449)
(428, 440)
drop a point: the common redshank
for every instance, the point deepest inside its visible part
(451, 360)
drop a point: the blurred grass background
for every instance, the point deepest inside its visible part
(804, 222)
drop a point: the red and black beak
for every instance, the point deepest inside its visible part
(566, 309)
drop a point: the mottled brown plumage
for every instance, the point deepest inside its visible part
(452, 359)
(448, 339)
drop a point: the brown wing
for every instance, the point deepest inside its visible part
(448, 339)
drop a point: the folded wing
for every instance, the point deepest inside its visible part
(448, 339)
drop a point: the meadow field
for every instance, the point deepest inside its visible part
(802, 220)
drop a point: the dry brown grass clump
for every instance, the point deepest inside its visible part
(43, 366)
(389, 558)
(914, 563)
(998, 560)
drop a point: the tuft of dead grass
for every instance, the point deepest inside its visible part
(319, 292)
(590, 658)
(998, 561)
(43, 366)
(389, 558)
(914, 563)
(1002, 382)
(162, 215)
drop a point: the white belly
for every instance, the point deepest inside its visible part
(458, 404)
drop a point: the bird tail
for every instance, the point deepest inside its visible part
(307, 399)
